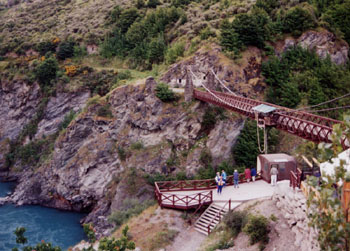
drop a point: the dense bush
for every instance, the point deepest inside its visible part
(301, 73)
(258, 229)
(246, 29)
(66, 50)
(338, 16)
(46, 71)
(164, 93)
(297, 20)
(45, 47)
(236, 220)
(142, 39)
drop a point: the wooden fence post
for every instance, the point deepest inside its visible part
(346, 199)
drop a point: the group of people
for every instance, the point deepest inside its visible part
(220, 179)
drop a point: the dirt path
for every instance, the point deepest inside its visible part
(188, 240)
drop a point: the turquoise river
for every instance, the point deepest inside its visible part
(61, 228)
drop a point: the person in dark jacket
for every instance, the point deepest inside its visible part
(253, 173)
(235, 179)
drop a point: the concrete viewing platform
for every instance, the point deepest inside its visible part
(246, 191)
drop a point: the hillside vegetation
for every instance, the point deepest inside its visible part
(105, 49)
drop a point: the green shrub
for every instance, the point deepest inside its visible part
(121, 153)
(105, 111)
(297, 20)
(206, 33)
(163, 239)
(258, 229)
(121, 244)
(137, 145)
(153, 3)
(45, 47)
(46, 71)
(140, 4)
(66, 50)
(268, 5)
(130, 208)
(124, 75)
(67, 119)
(164, 93)
(236, 220)
(79, 51)
(90, 232)
(174, 52)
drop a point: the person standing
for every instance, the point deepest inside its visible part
(273, 173)
(220, 185)
(253, 173)
(247, 174)
(235, 179)
(217, 177)
(224, 176)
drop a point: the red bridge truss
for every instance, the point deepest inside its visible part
(305, 125)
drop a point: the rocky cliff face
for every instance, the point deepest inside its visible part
(242, 77)
(324, 43)
(88, 171)
(18, 105)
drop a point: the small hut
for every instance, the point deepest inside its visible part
(283, 162)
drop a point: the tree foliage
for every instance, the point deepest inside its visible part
(326, 213)
(121, 244)
(43, 246)
(297, 20)
(164, 93)
(246, 29)
(246, 149)
(138, 37)
(300, 73)
(46, 71)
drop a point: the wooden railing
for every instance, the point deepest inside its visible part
(218, 215)
(295, 179)
(194, 185)
(167, 199)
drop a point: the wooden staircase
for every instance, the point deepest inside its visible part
(210, 218)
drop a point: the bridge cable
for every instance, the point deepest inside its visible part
(326, 102)
(329, 109)
(214, 95)
(208, 90)
(223, 83)
(258, 134)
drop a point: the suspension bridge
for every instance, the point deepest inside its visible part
(194, 194)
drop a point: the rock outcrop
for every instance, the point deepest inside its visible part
(57, 107)
(293, 205)
(87, 171)
(18, 105)
(324, 43)
(243, 77)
